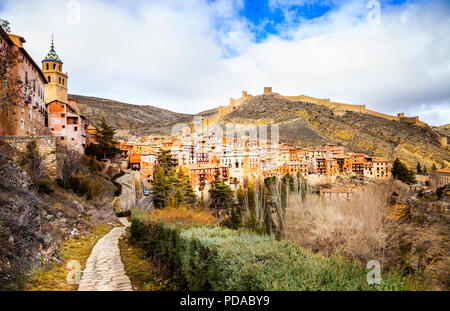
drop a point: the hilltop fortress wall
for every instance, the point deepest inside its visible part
(223, 110)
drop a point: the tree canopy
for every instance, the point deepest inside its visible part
(402, 173)
(105, 145)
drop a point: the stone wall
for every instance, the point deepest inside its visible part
(46, 146)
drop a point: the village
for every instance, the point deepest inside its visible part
(117, 181)
(45, 108)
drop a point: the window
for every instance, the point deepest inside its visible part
(75, 128)
(63, 126)
(59, 80)
(60, 68)
(54, 66)
(63, 114)
(22, 124)
(49, 79)
(47, 66)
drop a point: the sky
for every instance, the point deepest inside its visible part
(192, 55)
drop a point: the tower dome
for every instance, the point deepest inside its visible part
(52, 56)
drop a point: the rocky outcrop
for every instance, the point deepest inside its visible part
(420, 239)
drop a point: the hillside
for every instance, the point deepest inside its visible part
(300, 123)
(129, 119)
(309, 124)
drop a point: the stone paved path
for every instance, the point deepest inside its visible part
(104, 268)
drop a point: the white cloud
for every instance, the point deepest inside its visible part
(189, 56)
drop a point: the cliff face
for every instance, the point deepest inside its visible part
(309, 124)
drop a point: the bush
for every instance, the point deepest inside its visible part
(84, 185)
(123, 213)
(117, 188)
(43, 185)
(215, 258)
(183, 214)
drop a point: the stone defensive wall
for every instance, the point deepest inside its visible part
(46, 146)
(223, 110)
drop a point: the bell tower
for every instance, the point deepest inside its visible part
(52, 66)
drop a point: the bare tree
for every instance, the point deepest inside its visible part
(33, 161)
(355, 227)
(69, 163)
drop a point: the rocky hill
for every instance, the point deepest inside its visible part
(129, 119)
(309, 124)
(300, 123)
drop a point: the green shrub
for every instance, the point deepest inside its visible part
(43, 185)
(123, 213)
(216, 258)
(85, 185)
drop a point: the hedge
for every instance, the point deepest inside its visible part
(216, 258)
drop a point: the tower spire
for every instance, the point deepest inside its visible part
(52, 46)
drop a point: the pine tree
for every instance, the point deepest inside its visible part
(104, 138)
(161, 188)
(184, 184)
(402, 173)
(220, 193)
(433, 168)
(166, 160)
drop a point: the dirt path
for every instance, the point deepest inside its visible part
(104, 268)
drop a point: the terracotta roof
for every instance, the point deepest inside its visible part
(444, 170)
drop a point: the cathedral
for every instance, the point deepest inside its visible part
(63, 116)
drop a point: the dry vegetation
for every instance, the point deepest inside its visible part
(53, 277)
(355, 228)
(183, 214)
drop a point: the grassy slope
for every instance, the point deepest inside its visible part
(53, 278)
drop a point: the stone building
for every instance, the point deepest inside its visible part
(337, 194)
(377, 168)
(64, 118)
(202, 175)
(443, 177)
(22, 109)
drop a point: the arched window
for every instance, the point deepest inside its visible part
(49, 80)
(47, 66)
(54, 66)
(60, 68)
(63, 82)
